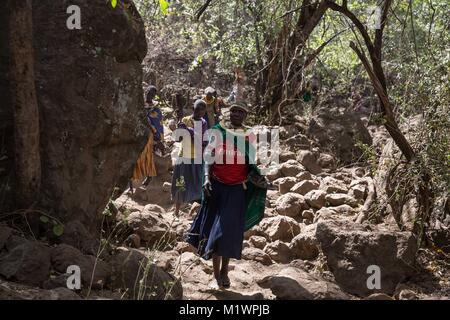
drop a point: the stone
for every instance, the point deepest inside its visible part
(257, 255)
(141, 278)
(151, 227)
(332, 185)
(280, 228)
(285, 184)
(350, 248)
(303, 187)
(378, 296)
(308, 215)
(316, 198)
(295, 284)
(167, 186)
(287, 155)
(305, 175)
(326, 161)
(25, 261)
(309, 161)
(93, 270)
(305, 245)
(290, 204)
(337, 199)
(291, 168)
(133, 241)
(76, 235)
(258, 241)
(278, 251)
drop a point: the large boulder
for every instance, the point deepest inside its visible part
(25, 261)
(351, 248)
(89, 91)
(296, 284)
(141, 278)
(338, 131)
(94, 271)
(290, 204)
(258, 255)
(332, 185)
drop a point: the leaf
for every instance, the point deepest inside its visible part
(44, 219)
(164, 6)
(58, 230)
(114, 3)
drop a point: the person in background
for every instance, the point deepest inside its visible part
(187, 175)
(145, 166)
(211, 108)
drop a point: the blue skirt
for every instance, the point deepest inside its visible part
(219, 225)
(186, 182)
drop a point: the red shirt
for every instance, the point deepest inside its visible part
(233, 169)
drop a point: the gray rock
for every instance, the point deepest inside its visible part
(303, 187)
(296, 284)
(309, 161)
(351, 248)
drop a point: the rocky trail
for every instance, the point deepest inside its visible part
(313, 243)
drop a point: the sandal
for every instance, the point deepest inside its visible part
(225, 281)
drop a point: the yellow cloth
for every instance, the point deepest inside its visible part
(187, 144)
(145, 166)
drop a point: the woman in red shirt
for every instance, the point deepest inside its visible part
(218, 229)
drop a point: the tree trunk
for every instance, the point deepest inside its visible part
(24, 103)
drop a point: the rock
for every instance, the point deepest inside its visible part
(18, 291)
(278, 251)
(92, 269)
(92, 122)
(358, 190)
(303, 187)
(182, 247)
(141, 278)
(280, 228)
(151, 227)
(273, 173)
(154, 208)
(285, 184)
(287, 155)
(407, 295)
(194, 208)
(25, 261)
(308, 216)
(167, 186)
(291, 168)
(296, 284)
(337, 199)
(5, 233)
(305, 175)
(343, 209)
(350, 249)
(290, 204)
(309, 161)
(133, 241)
(299, 141)
(257, 255)
(305, 245)
(316, 198)
(56, 281)
(332, 185)
(258, 241)
(340, 131)
(76, 235)
(326, 161)
(378, 296)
